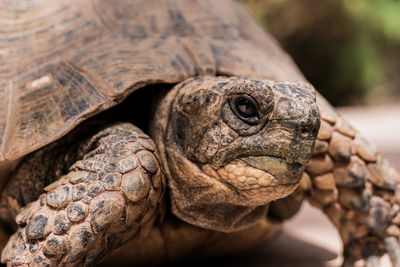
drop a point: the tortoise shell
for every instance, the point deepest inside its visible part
(62, 62)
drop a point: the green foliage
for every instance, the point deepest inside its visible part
(382, 16)
(349, 49)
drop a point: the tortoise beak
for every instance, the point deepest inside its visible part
(283, 171)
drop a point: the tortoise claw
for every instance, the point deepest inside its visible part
(348, 261)
(393, 249)
(372, 255)
(373, 261)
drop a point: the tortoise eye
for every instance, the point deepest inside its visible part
(245, 107)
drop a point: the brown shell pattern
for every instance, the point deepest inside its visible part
(64, 61)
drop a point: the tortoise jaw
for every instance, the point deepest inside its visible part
(264, 162)
(256, 173)
(256, 181)
(283, 171)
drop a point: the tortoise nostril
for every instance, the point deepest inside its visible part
(305, 131)
(315, 131)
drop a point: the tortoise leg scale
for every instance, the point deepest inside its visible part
(109, 196)
(357, 188)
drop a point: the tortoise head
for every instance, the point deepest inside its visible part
(230, 146)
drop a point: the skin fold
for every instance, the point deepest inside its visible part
(238, 155)
(223, 181)
(218, 162)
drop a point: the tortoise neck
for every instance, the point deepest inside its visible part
(222, 217)
(225, 217)
(196, 198)
(202, 201)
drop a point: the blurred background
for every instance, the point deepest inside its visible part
(349, 50)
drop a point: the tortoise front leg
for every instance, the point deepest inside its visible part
(357, 189)
(109, 196)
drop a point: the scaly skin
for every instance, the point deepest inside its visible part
(223, 167)
(357, 188)
(222, 172)
(109, 196)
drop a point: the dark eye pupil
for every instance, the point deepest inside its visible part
(246, 108)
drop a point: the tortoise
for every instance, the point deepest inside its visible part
(146, 131)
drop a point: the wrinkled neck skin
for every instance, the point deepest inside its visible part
(222, 172)
(197, 198)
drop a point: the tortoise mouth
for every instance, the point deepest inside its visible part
(283, 171)
(257, 180)
(257, 172)
(265, 163)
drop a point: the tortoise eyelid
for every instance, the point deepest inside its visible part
(249, 119)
